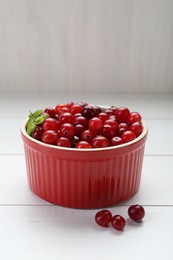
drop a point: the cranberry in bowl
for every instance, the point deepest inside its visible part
(84, 156)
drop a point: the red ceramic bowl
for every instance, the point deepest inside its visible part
(84, 178)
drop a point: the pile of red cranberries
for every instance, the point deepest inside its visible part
(80, 125)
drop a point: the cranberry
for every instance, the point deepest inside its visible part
(75, 109)
(66, 117)
(51, 124)
(103, 217)
(124, 125)
(87, 136)
(113, 123)
(83, 144)
(50, 111)
(128, 136)
(37, 134)
(95, 124)
(134, 117)
(109, 112)
(97, 110)
(136, 128)
(136, 212)
(64, 142)
(79, 129)
(116, 140)
(122, 128)
(108, 131)
(67, 130)
(88, 112)
(64, 109)
(103, 116)
(49, 137)
(70, 104)
(59, 107)
(122, 114)
(99, 142)
(81, 120)
(118, 222)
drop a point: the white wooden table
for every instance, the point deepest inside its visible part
(31, 228)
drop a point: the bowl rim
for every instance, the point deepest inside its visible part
(137, 139)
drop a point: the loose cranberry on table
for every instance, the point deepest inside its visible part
(118, 222)
(103, 217)
(136, 212)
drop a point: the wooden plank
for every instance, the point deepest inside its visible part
(49, 232)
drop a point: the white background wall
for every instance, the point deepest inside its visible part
(86, 45)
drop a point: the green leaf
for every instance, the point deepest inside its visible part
(40, 119)
(36, 113)
(30, 126)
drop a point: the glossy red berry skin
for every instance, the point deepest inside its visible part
(81, 120)
(108, 131)
(103, 218)
(49, 137)
(113, 123)
(136, 212)
(75, 109)
(88, 112)
(122, 114)
(136, 128)
(63, 142)
(59, 107)
(97, 110)
(66, 117)
(122, 128)
(87, 136)
(79, 129)
(83, 144)
(124, 125)
(109, 112)
(99, 142)
(128, 136)
(67, 130)
(38, 132)
(134, 117)
(95, 125)
(116, 140)
(51, 111)
(103, 116)
(118, 222)
(51, 124)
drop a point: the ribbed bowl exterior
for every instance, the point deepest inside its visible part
(84, 179)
